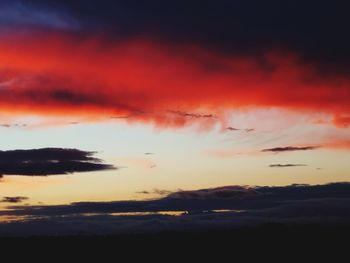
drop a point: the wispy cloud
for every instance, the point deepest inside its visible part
(286, 165)
(236, 129)
(290, 149)
(232, 129)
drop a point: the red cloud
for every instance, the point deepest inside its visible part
(341, 121)
(149, 81)
(338, 144)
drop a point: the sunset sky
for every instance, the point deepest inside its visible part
(134, 100)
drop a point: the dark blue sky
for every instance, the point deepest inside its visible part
(316, 30)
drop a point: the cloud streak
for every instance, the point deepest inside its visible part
(286, 165)
(290, 149)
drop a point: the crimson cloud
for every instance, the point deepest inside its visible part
(159, 82)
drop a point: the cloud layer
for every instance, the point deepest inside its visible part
(207, 209)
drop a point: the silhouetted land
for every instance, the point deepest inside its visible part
(274, 238)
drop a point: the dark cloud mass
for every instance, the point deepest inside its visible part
(218, 208)
(49, 161)
(228, 197)
(290, 149)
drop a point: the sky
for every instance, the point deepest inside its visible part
(110, 101)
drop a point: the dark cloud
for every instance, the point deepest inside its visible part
(207, 209)
(13, 199)
(290, 149)
(47, 154)
(229, 197)
(49, 161)
(286, 165)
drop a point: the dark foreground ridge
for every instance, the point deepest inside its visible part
(270, 239)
